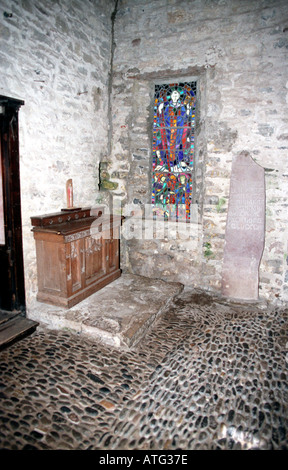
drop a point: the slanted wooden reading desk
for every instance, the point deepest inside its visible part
(77, 254)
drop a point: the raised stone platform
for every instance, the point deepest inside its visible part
(118, 315)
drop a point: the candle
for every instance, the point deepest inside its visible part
(69, 192)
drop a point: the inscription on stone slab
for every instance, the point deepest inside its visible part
(245, 229)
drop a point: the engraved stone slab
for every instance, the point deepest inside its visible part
(245, 229)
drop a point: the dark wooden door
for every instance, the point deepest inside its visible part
(12, 290)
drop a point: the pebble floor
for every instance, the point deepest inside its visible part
(207, 376)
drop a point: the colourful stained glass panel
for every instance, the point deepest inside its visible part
(173, 148)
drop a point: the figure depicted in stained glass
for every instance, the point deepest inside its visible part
(174, 119)
(173, 145)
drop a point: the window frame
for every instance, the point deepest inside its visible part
(170, 82)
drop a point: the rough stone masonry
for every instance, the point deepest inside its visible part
(56, 57)
(86, 71)
(237, 51)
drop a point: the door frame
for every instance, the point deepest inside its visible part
(13, 248)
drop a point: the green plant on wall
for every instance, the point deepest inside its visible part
(221, 203)
(207, 249)
(104, 177)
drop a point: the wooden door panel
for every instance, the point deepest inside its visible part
(12, 290)
(2, 223)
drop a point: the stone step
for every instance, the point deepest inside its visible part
(119, 315)
(14, 327)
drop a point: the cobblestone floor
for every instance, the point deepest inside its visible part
(207, 376)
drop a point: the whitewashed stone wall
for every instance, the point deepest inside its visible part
(238, 51)
(55, 55)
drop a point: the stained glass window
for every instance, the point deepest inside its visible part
(173, 149)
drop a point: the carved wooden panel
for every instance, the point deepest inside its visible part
(74, 257)
(94, 259)
(112, 253)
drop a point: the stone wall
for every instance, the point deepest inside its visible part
(237, 50)
(55, 55)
